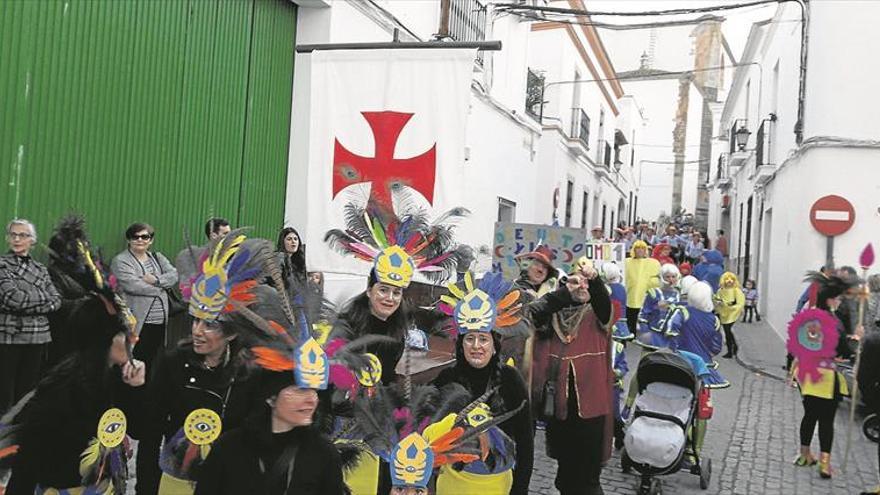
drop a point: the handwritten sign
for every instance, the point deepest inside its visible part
(514, 239)
(607, 252)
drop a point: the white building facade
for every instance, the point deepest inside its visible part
(762, 194)
(514, 164)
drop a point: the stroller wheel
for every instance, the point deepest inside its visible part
(706, 474)
(871, 427)
(656, 488)
(650, 486)
(625, 463)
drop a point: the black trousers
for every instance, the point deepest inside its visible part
(729, 338)
(577, 446)
(20, 366)
(632, 319)
(150, 342)
(822, 411)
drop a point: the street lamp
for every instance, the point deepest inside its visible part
(742, 134)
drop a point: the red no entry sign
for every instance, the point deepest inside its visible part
(832, 215)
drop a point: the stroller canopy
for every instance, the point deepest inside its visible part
(666, 367)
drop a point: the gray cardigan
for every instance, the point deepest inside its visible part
(140, 295)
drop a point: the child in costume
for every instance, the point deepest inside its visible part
(812, 341)
(751, 308)
(694, 328)
(611, 274)
(659, 302)
(642, 274)
(729, 304)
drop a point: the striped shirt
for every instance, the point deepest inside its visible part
(156, 313)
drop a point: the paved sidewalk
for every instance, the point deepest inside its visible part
(752, 438)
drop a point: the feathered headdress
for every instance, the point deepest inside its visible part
(812, 339)
(396, 426)
(400, 245)
(226, 276)
(491, 305)
(825, 287)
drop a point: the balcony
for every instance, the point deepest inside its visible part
(464, 20)
(763, 170)
(578, 140)
(534, 94)
(722, 173)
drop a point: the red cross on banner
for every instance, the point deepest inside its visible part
(383, 171)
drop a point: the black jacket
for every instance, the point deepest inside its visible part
(512, 392)
(61, 419)
(389, 354)
(181, 384)
(71, 288)
(240, 462)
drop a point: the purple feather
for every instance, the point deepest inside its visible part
(866, 259)
(435, 261)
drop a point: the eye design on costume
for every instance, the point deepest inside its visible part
(371, 376)
(479, 415)
(202, 426)
(311, 370)
(811, 335)
(475, 312)
(112, 428)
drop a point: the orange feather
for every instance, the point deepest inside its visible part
(441, 459)
(272, 359)
(8, 451)
(444, 442)
(509, 299)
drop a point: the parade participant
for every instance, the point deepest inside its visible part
(292, 256)
(27, 297)
(620, 368)
(480, 316)
(56, 426)
(695, 328)
(729, 304)
(663, 253)
(537, 278)
(694, 248)
(808, 296)
(751, 307)
(397, 248)
(869, 378)
(656, 309)
(812, 340)
(710, 268)
(685, 269)
(597, 235)
(144, 278)
(642, 273)
(70, 278)
(573, 380)
(204, 371)
(610, 273)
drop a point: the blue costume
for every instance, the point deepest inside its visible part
(620, 332)
(620, 368)
(654, 317)
(710, 269)
(698, 332)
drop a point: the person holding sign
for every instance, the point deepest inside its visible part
(642, 274)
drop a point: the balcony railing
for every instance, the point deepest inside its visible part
(580, 126)
(534, 94)
(467, 22)
(762, 144)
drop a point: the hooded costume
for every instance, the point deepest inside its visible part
(658, 253)
(710, 269)
(642, 274)
(660, 302)
(729, 301)
(694, 328)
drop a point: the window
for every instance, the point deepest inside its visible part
(506, 210)
(604, 210)
(465, 20)
(569, 193)
(584, 210)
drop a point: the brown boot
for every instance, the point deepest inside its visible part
(825, 465)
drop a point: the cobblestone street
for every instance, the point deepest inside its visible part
(752, 438)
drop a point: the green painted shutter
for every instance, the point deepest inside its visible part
(142, 110)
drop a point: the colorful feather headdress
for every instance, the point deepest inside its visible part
(226, 276)
(184, 454)
(490, 305)
(400, 245)
(812, 339)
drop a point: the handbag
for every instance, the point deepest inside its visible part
(548, 394)
(176, 305)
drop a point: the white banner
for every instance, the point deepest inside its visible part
(380, 118)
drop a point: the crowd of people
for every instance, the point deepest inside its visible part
(275, 391)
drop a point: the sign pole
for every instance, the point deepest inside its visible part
(829, 252)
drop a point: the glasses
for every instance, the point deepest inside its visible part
(478, 340)
(142, 237)
(19, 235)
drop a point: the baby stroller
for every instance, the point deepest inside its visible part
(657, 438)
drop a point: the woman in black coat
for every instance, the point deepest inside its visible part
(292, 257)
(278, 451)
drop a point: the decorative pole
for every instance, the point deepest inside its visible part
(866, 259)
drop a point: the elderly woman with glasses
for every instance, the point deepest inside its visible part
(27, 296)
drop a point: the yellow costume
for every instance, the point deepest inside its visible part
(729, 302)
(641, 274)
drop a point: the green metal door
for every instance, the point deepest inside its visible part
(164, 111)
